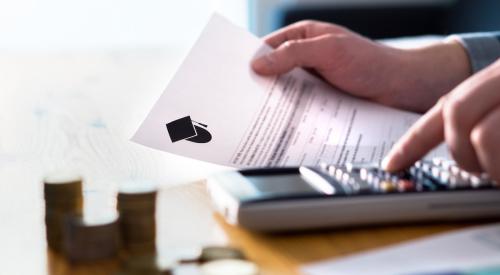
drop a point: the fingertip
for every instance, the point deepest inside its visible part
(262, 65)
(388, 164)
(385, 163)
(270, 40)
(392, 162)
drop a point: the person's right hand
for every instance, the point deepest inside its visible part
(467, 119)
(408, 79)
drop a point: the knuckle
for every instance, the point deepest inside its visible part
(442, 100)
(290, 46)
(483, 137)
(454, 111)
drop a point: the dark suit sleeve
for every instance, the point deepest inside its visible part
(483, 48)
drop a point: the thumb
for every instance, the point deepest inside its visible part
(291, 54)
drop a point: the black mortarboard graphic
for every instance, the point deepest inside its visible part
(183, 128)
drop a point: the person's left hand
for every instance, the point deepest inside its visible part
(467, 119)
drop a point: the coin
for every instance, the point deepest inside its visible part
(137, 208)
(62, 185)
(212, 253)
(146, 264)
(229, 267)
(187, 269)
(84, 241)
(63, 197)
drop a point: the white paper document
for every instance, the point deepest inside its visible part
(467, 252)
(217, 109)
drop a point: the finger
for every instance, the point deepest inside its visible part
(295, 53)
(457, 137)
(301, 30)
(485, 137)
(422, 137)
(291, 32)
(468, 104)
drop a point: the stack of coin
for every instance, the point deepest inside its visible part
(229, 267)
(212, 253)
(145, 264)
(89, 240)
(217, 260)
(137, 207)
(63, 197)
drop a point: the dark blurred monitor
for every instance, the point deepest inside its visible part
(395, 20)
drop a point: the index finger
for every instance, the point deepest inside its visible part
(290, 32)
(301, 30)
(423, 136)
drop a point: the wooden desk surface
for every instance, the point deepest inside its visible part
(79, 110)
(186, 221)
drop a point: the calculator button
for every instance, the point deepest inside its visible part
(447, 164)
(358, 185)
(395, 178)
(428, 184)
(323, 165)
(363, 187)
(426, 167)
(339, 172)
(345, 178)
(349, 189)
(464, 174)
(364, 172)
(331, 170)
(457, 182)
(480, 181)
(430, 178)
(444, 177)
(372, 178)
(386, 186)
(455, 170)
(357, 167)
(424, 182)
(351, 168)
(436, 172)
(405, 185)
(438, 162)
(384, 175)
(475, 181)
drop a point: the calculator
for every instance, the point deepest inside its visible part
(353, 194)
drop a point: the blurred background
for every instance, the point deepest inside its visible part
(58, 24)
(87, 61)
(381, 18)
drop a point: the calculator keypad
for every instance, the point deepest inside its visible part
(425, 175)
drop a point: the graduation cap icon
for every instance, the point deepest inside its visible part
(185, 129)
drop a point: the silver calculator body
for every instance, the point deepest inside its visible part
(299, 198)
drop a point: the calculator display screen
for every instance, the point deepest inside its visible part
(280, 184)
(265, 187)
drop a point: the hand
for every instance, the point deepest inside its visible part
(467, 119)
(408, 79)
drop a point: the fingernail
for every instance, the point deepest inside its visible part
(261, 64)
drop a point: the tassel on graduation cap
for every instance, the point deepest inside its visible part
(185, 129)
